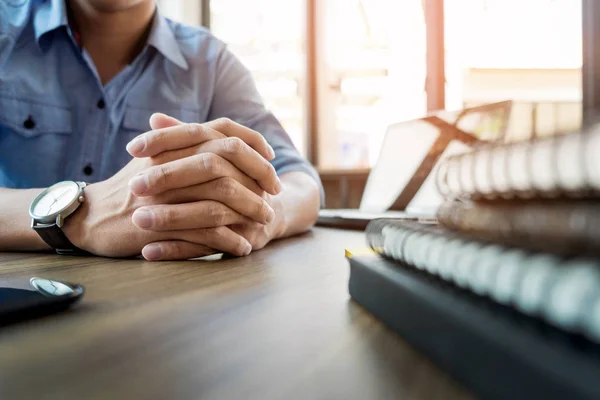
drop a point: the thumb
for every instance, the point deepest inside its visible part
(160, 121)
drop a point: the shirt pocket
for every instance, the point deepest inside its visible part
(33, 142)
(30, 119)
(137, 120)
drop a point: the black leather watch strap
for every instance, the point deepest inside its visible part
(55, 237)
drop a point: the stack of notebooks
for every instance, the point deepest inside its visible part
(503, 291)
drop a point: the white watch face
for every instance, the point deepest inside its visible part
(55, 199)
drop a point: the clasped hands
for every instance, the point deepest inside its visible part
(191, 190)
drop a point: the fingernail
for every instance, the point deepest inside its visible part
(152, 252)
(137, 144)
(143, 219)
(270, 215)
(247, 249)
(271, 152)
(138, 184)
(278, 186)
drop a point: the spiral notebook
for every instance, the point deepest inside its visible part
(564, 292)
(561, 226)
(560, 166)
(492, 348)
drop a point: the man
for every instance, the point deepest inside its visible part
(81, 81)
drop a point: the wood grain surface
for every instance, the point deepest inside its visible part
(278, 324)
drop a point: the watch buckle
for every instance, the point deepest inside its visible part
(60, 220)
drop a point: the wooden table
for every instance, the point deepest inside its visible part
(278, 324)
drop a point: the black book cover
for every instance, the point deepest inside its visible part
(491, 349)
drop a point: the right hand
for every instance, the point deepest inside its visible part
(192, 196)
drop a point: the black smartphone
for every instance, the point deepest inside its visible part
(22, 299)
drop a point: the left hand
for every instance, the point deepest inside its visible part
(258, 234)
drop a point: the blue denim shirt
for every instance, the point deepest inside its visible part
(58, 122)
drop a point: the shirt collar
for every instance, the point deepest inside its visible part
(52, 14)
(162, 38)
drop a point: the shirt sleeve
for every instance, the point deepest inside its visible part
(236, 97)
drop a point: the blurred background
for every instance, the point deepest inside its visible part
(338, 72)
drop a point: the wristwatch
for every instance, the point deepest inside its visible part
(50, 209)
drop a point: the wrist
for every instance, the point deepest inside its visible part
(77, 226)
(280, 223)
(299, 203)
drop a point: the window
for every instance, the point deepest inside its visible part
(370, 64)
(527, 51)
(269, 38)
(374, 56)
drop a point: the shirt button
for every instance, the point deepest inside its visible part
(88, 170)
(29, 123)
(101, 104)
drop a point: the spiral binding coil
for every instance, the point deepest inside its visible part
(566, 227)
(566, 165)
(565, 293)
